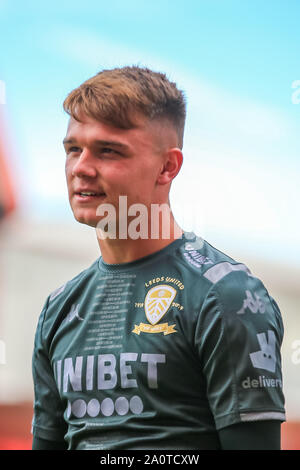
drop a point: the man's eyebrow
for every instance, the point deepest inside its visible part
(68, 141)
(98, 142)
(110, 142)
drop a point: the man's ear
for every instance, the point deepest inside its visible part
(173, 159)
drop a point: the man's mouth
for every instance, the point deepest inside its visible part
(89, 195)
(86, 194)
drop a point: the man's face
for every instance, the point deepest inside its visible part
(104, 162)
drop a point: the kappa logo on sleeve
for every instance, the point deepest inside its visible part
(157, 302)
(266, 357)
(74, 313)
(255, 305)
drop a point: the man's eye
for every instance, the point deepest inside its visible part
(72, 150)
(108, 150)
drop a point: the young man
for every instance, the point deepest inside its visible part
(164, 342)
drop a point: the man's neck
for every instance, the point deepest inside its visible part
(117, 251)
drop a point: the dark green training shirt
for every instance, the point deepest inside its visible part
(159, 353)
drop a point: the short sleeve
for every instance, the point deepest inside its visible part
(48, 422)
(238, 339)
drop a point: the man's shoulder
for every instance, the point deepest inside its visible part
(62, 301)
(214, 275)
(225, 282)
(76, 282)
(206, 262)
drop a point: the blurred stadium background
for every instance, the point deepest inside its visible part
(239, 186)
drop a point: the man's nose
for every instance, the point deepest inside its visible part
(85, 165)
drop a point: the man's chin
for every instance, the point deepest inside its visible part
(91, 222)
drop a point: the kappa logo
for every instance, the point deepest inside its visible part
(74, 313)
(253, 304)
(266, 357)
(157, 302)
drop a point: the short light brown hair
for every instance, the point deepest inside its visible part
(116, 96)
